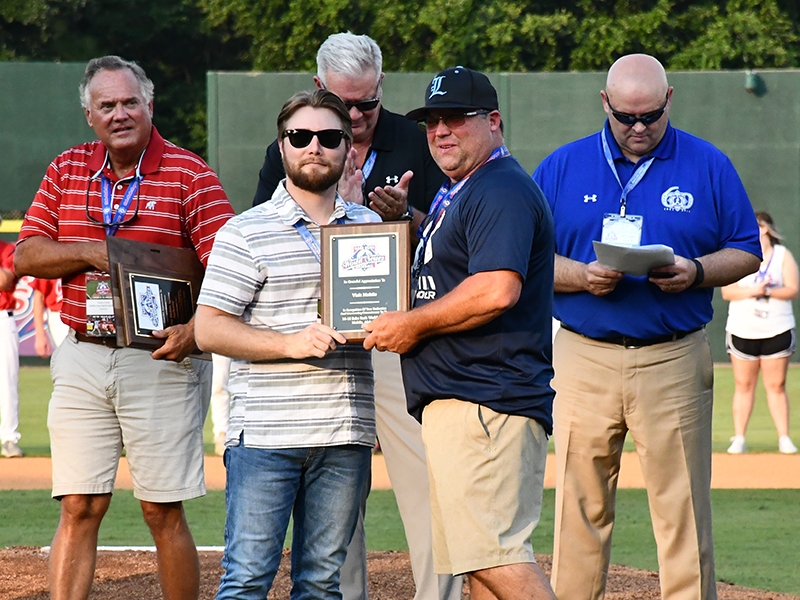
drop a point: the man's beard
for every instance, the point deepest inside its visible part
(315, 180)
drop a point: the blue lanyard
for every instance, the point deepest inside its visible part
(444, 198)
(762, 275)
(637, 176)
(366, 170)
(310, 240)
(111, 219)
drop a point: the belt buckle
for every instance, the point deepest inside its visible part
(629, 343)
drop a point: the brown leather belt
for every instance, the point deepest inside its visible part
(108, 342)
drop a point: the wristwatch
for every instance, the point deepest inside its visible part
(408, 215)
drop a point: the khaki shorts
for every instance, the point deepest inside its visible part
(107, 399)
(486, 473)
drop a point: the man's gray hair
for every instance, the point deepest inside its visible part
(349, 54)
(114, 63)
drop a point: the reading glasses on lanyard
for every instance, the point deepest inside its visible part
(110, 220)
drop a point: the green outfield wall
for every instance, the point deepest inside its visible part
(41, 117)
(758, 129)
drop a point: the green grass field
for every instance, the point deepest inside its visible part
(756, 531)
(35, 388)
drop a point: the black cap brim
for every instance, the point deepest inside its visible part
(418, 114)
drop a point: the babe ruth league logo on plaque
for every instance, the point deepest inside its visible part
(367, 256)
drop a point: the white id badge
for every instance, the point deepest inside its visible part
(622, 231)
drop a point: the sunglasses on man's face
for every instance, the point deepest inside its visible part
(646, 119)
(364, 105)
(451, 121)
(328, 138)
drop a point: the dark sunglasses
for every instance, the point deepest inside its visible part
(364, 105)
(646, 119)
(452, 121)
(328, 138)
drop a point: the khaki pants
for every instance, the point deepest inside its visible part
(486, 473)
(401, 441)
(663, 395)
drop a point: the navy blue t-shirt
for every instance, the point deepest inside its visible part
(499, 220)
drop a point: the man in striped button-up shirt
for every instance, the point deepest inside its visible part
(302, 420)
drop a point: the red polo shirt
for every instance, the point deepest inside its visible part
(180, 203)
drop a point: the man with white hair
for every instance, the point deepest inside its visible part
(133, 183)
(632, 353)
(391, 171)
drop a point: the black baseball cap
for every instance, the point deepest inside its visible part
(457, 87)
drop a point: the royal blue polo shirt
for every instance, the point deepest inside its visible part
(691, 199)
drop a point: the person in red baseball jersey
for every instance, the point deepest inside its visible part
(9, 356)
(134, 184)
(50, 329)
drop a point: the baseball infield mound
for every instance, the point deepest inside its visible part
(132, 576)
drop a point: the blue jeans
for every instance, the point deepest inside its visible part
(320, 488)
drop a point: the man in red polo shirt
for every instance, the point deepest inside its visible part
(134, 184)
(9, 356)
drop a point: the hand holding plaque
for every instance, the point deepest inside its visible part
(366, 272)
(154, 287)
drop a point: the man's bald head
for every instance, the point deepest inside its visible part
(637, 90)
(637, 74)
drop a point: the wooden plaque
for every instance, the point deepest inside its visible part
(366, 271)
(154, 287)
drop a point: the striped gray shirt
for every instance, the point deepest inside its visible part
(262, 271)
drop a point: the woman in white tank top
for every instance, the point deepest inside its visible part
(760, 335)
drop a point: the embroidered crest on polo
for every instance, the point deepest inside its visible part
(588, 198)
(151, 205)
(436, 86)
(675, 200)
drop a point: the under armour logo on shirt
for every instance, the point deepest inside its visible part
(588, 198)
(392, 179)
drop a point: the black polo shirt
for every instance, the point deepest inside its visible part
(400, 146)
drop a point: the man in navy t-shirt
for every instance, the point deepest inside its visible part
(632, 354)
(476, 346)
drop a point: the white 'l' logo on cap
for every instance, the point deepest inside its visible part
(436, 86)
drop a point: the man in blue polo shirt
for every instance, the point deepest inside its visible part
(632, 353)
(476, 347)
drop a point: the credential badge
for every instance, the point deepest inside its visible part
(436, 86)
(676, 200)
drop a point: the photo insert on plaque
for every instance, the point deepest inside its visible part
(159, 302)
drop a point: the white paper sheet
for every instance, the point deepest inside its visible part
(633, 260)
